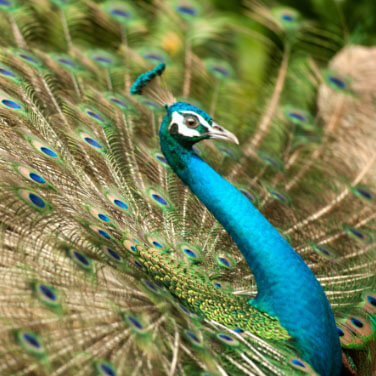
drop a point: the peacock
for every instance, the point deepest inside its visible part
(165, 213)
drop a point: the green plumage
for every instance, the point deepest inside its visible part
(109, 265)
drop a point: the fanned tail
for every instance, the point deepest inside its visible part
(109, 265)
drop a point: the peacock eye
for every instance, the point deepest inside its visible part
(191, 121)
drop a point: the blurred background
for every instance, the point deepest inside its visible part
(335, 24)
(345, 21)
(358, 16)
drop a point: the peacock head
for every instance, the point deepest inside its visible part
(184, 122)
(188, 124)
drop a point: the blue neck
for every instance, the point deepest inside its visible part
(287, 288)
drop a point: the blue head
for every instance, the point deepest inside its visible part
(186, 124)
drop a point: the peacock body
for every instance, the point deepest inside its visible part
(124, 253)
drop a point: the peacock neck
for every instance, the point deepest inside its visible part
(287, 289)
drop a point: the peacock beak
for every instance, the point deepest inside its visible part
(218, 132)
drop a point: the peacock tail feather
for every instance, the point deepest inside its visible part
(109, 264)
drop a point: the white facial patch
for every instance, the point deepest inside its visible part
(184, 130)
